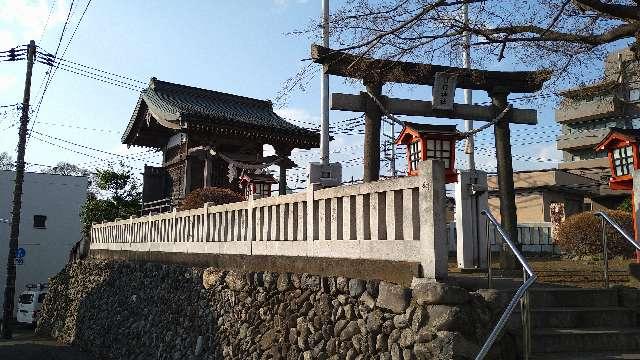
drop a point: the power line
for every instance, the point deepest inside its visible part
(46, 23)
(90, 148)
(75, 29)
(51, 73)
(49, 57)
(80, 127)
(91, 75)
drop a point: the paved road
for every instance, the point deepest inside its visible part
(26, 346)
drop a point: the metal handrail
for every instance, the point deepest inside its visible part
(605, 250)
(529, 278)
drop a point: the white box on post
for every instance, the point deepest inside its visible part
(326, 175)
(471, 237)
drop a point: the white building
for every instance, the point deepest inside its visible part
(49, 224)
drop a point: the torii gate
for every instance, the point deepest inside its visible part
(376, 72)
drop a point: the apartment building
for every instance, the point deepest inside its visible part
(49, 224)
(586, 113)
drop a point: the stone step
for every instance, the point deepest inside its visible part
(587, 356)
(573, 297)
(553, 340)
(583, 317)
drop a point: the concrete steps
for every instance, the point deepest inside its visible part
(587, 356)
(570, 323)
(582, 317)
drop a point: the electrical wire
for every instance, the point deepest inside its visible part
(50, 74)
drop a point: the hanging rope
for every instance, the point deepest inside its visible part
(234, 164)
(465, 134)
(384, 110)
(470, 133)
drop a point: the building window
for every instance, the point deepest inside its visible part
(439, 150)
(623, 161)
(415, 150)
(39, 221)
(263, 189)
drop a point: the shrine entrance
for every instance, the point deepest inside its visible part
(374, 73)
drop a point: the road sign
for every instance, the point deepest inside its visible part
(20, 261)
(20, 252)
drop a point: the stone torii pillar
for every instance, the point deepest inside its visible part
(372, 123)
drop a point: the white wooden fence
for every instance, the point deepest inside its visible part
(534, 237)
(397, 219)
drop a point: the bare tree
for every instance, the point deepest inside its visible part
(562, 35)
(65, 168)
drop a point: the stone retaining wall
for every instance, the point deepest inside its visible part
(129, 310)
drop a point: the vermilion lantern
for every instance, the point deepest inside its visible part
(430, 142)
(257, 184)
(622, 146)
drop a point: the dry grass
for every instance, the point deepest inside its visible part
(575, 273)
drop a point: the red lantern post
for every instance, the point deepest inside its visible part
(430, 142)
(622, 148)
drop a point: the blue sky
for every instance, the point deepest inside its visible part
(231, 46)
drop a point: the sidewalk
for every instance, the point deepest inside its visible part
(25, 345)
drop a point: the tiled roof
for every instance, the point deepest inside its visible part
(430, 128)
(635, 133)
(205, 107)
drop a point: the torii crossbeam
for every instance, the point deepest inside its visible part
(498, 84)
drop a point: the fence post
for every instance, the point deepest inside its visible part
(432, 209)
(205, 223)
(251, 222)
(313, 220)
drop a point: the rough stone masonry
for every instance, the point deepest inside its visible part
(129, 310)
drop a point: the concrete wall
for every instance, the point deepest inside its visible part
(529, 207)
(57, 197)
(534, 207)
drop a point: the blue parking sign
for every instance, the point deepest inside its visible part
(20, 252)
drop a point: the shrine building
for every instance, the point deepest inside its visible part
(210, 139)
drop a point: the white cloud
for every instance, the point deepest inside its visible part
(7, 82)
(285, 3)
(299, 117)
(25, 19)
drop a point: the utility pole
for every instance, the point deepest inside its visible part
(468, 94)
(10, 286)
(324, 90)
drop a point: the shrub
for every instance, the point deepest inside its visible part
(581, 234)
(212, 195)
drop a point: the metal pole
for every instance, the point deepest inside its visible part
(468, 94)
(489, 273)
(324, 91)
(10, 286)
(393, 149)
(605, 254)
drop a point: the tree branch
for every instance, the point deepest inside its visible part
(493, 36)
(616, 10)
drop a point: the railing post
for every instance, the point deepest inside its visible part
(489, 258)
(525, 314)
(174, 222)
(205, 223)
(251, 222)
(313, 220)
